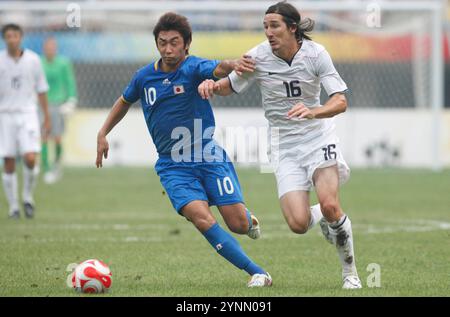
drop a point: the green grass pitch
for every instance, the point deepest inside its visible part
(401, 221)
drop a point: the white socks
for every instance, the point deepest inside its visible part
(316, 215)
(342, 236)
(341, 231)
(29, 183)
(10, 188)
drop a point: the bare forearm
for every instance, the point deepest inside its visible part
(334, 106)
(225, 87)
(224, 68)
(118, 111)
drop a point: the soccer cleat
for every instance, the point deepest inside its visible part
(29, 210)
(326, 230)
(255, 231)
(260, 280)
(50, 177)
(15, 214)
(352, 282)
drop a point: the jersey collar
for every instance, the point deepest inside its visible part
(293, 57)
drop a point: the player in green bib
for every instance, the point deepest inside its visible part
(62, 98)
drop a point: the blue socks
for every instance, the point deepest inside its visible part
(228, 247)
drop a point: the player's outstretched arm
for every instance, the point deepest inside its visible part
(245, 64)
(334, 106)
(118, 111)
(209, 88)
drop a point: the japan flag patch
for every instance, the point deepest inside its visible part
(178, 89)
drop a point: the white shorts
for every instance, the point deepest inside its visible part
(293, 173)
(19, 134)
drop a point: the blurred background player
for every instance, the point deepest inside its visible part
(290, 68)
(170, 102)
(22, 77)
(62, 98)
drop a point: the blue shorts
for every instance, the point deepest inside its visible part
(215, 182)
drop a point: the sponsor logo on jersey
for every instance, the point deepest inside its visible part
(166, 82)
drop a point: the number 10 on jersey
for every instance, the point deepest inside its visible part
(150, 95)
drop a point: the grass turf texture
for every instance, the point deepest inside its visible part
(120, 215)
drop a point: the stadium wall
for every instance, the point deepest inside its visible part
(369, 137)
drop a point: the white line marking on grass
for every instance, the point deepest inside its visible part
(418, 225)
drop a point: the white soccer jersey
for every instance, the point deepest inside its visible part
(20, 81)
(283, 85)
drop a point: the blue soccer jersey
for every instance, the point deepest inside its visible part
(171, 103)
(173, 109)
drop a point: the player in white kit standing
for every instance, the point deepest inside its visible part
(289, 69)
(22, 85)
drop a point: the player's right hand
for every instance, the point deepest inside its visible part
(102, 150)
(206, 88)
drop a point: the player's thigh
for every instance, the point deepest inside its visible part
(180, 183)
(8, 135)
(221, 183)
(295, 208)
(235, 216)
(198, 212)
(29, 136)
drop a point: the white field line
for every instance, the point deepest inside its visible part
(269, 231)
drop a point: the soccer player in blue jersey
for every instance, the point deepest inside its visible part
(193, 169)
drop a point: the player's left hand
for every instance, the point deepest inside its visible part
(246, 64)
(67, 108)
(206, 88)
(300, 111)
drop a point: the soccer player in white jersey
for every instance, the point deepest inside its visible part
(22, 85)
(289, 68)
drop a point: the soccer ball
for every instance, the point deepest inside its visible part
(92, 276)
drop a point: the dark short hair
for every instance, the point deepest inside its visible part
(11, 26)
(291, 16)
(174, 22)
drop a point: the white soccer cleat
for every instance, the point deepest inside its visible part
(255, 231)
(50, 178)
(352, 282)
(326, 230)
(260, 280)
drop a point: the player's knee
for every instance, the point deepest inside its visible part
(298, 226)
(30, 160)
(238, 225)
(9, 166)
(330, 209)
(202, 223)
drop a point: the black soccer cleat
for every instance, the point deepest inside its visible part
(29, 210)
(14, 215)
